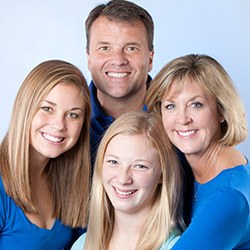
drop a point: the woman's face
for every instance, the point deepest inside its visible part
(131, 172)
(190, 118)
(57, 124)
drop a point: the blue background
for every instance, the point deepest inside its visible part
(33, 31)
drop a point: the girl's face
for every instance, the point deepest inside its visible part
(190, 118)
(57, 124)
(131, 173)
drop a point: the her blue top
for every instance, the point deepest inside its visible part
(78, 245)
(17, 232)
(220, 216)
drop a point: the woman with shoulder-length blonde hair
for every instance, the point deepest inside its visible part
(44, 160)
(204, 117)
(136, 190)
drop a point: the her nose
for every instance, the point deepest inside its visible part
(125, 176)
(58, 122)
(119, 58)
(183, 117)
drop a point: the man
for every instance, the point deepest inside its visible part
(120, 54)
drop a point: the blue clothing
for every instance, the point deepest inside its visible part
(220, 217)
(78, 245)
(17, 232)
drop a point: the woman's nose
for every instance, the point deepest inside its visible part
(183, 117)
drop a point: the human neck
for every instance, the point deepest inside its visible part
(207, 165)
(126, 226)
(115, 107)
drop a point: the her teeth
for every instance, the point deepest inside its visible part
(187, 133)
(52, 138)
(124, 193)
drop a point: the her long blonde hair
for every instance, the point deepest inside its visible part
(68, 174)
(165, 214)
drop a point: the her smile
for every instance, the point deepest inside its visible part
(52, 138)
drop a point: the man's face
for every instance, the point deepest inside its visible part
(119, 58)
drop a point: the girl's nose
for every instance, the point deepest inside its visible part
(58, 123)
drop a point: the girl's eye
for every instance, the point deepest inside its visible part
(197, 105)
(140, 166)
(46, 108)
(73, 115)
(113, 162)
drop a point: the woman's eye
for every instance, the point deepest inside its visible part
(197, 105)
(170, 106)
(46, 108)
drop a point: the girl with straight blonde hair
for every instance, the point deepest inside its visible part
(136, 190)
(44, 160)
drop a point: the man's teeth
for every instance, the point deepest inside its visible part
(125, 193)
(186, 133)
(52, 138)
(117, 75)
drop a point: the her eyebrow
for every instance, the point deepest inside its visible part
(54, 104)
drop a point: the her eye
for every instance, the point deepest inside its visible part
(46, 108)
(113, 162)
(73, 115)
(197, 105)
(140, 166)
(169, 106)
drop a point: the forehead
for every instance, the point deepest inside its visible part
(186, 84)
(105, 26)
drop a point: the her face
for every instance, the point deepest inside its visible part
(57, 124)
(131, 173)
(190, 118)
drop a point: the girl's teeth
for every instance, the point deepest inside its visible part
(52, 138)
(124, 193)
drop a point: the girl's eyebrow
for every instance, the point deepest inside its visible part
(54, 104)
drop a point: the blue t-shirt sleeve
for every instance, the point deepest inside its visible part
(218, 223)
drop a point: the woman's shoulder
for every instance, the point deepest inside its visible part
(78, 245)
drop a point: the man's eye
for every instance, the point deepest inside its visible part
(104, 48)
(131, 48)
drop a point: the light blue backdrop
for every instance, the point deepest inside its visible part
(33, 31)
